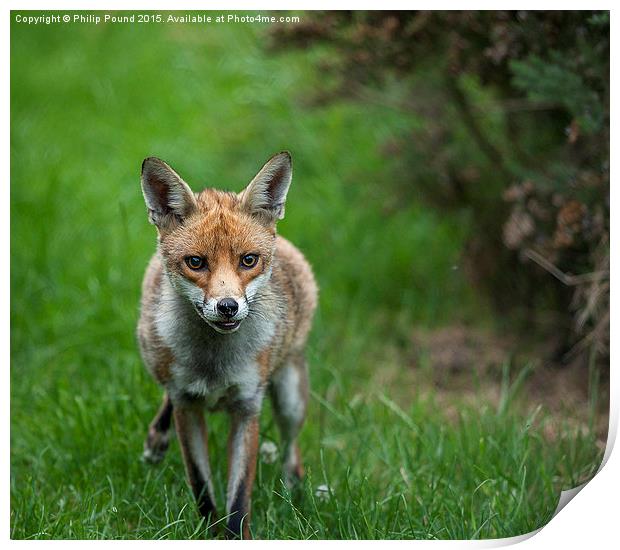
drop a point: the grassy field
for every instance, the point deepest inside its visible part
(88, 103)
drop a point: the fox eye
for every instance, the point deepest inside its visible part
(195, 262)
(249, 260)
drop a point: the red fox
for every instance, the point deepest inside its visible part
(225, 313)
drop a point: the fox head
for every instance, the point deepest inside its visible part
(216, 246)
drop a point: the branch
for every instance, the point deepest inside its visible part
(469, 119)
(564, 278)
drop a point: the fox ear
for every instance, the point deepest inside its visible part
(168, 198)
(266, 193)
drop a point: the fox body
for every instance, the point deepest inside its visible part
(226, 308)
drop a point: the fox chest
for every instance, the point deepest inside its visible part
(219, 378)
(220, 370)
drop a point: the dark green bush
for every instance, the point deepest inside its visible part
(513, 111)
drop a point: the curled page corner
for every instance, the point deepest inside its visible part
(569, 494)
(565, 496)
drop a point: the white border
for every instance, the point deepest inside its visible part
(589, 519)
(305, 5)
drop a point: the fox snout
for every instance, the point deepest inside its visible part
(228, 307)
(223, 314)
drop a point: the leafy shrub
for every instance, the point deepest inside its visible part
(513, 133)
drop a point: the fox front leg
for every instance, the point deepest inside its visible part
(242, 451)
(192, 434)
(158, 436)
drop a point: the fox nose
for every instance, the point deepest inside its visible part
(227, 307)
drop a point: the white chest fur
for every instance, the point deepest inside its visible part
(208, 365)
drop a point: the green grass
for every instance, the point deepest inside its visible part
(87, 105)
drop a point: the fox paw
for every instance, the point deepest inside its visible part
(155, 447)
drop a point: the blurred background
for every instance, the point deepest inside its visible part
(451, 190)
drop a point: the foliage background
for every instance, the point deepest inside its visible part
(412, 443)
